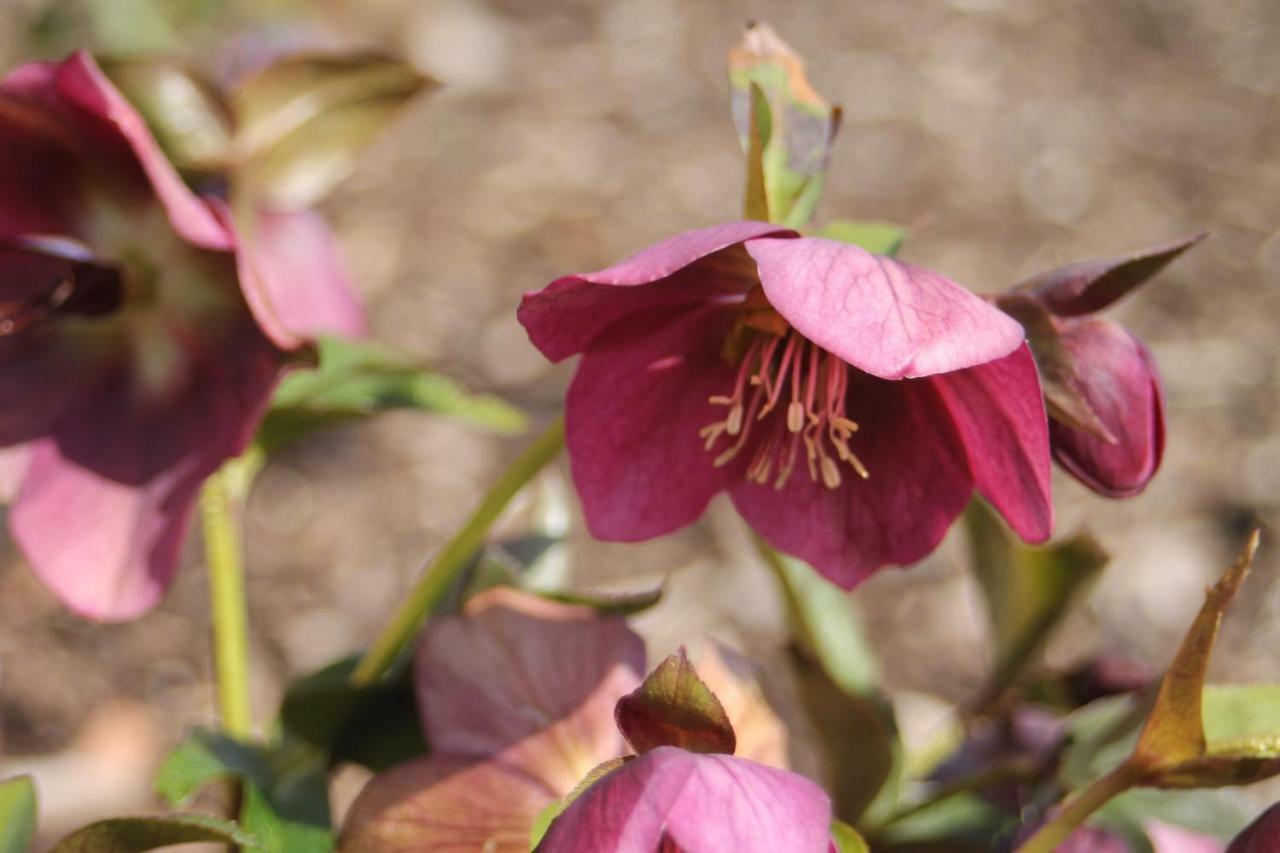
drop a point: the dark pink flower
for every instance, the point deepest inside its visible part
(134, 358)
(848, 403)
(1101, 385)
(1261, 836)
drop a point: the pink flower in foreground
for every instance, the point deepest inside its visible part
(1101, 385)
(133, 356)
(848, 403)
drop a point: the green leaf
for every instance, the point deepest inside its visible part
(136, 834)
(620, 604)
(17, 814)
(376, 726)
(756, 204)
(1240, 716)
(825, 623)
(801, 127)
(879, 238)
(188, 115)
(286, 799)
(846, 839)
(1028, 590)
(355, 379)
(674, 707)
(305, 119)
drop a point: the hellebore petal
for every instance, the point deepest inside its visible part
(1000, 415)
(632, 417)
(1261, 836)
(919, 481)
(1167, 838)
(81, 83)
(294, 279)
(882, 316)
(1090, 286)
(39, 176)
(515, 665)
(699, 803)
(761, 735)
(1116, 375)
(13, 467)
(566, 315)
(447, 802)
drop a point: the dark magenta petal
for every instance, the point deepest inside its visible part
(1261, 836)
(999, 412)
(294, 279)
(1116, 375)
(919, 481)
(700, 803)
(890, 319)
(447, 803)
(83, 87)
(515, 664)
(632, 417)
(40, 178)
(564, 317)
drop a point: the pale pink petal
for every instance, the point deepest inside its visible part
(447, 803)
(515, 665)
(13, 467)
(564, 317)
(701, 803)
(999, 412)
(919, 481)
(1167, 838)
(295, 280)
(1115, 373)
(632, 417)
(82, 85)
(760, 735)
(890, 319)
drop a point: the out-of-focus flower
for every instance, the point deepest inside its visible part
(684, 790)
(848, 403)
(1100, 382)
(138, 344)
(517, 699)
(1261, 836)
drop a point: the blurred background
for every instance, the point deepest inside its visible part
(1014, 135)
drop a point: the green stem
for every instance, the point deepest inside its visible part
(441, 572)
(220, 515)
(1012, 769)
(1079, 808)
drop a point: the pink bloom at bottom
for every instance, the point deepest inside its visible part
(848, 403)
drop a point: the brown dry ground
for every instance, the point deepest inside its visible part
(1017, 134)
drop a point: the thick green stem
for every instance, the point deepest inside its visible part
(441, 572)
(1079, 808)
(220, 515)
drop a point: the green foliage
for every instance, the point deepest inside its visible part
(137, 834)
(285, 787)
(674, 707)
(846, 839)
(354, 379)
(17, 814)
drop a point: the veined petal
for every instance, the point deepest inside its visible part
(43, 373)
(700, 803)
(515, 665)
(632, 418)
(564, 317)
(81, 84)
(294, 279)
(919, 480)
(447, 802)
(999, 412)
(1116, 374)
(890, 319)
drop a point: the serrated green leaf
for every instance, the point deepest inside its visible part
(17, 814)
(879, 238)
(355, 379)
(1028, 589)
(137, 834)
(674, 707)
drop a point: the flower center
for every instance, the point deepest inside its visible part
(53, 278)
(792, 393)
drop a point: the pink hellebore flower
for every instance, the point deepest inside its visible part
(1105, 402)
(1261, 836)
(133, 357)
(849, 403)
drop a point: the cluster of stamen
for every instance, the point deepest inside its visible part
(795, 392)
(16, 317)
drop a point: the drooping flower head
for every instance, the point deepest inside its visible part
(138, 342)
(848, 403)
(1101, 385)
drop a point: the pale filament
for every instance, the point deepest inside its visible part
(815, 384)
